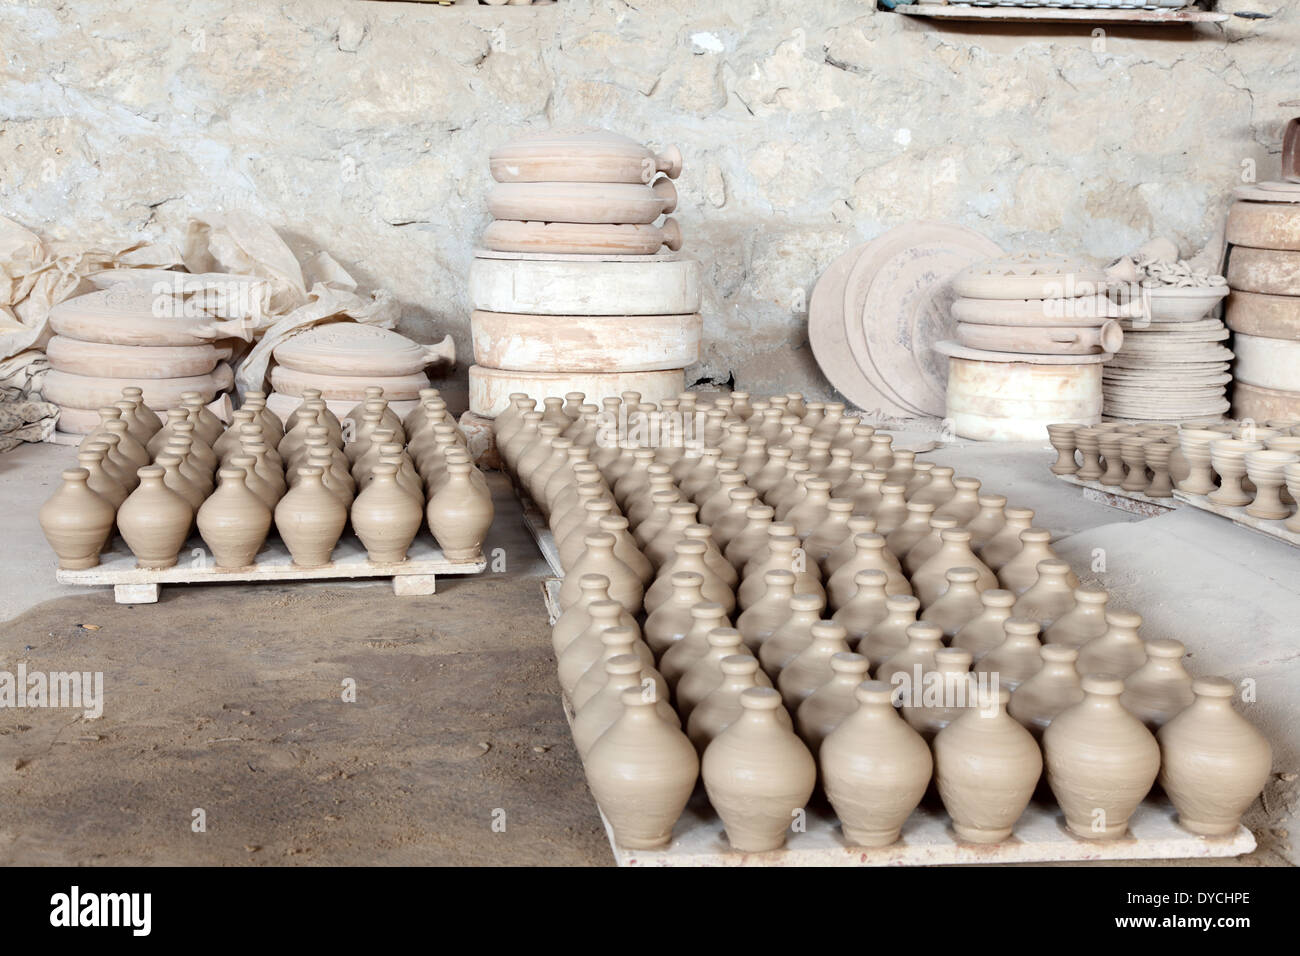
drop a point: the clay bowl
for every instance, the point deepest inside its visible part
(1268, 465)
(1286, 443)
(1284, 425)
(1181, 304)
(1230, 454)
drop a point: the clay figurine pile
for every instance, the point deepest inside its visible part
(155, 481)
(751, 585)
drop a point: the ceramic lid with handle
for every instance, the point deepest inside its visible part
(581, 155)
(582, 202)
(134, 314)
(354, 348)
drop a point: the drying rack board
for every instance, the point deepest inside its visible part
(945, 11)
(1274, 528)
(1134, 502)
(131, 585)
(928, 840)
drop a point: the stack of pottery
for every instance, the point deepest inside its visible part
(129, 336)
(1032, 331)
(571, 288)
(341, 360)
(1172, 365)
(721, 612)
(1263, 310)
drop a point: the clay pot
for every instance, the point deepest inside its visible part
(678, 658)
(928, 546)
(758, 774)
(811, 667)
(869, 554)
(959, 604)
(783, 554)
(1062, 438)
(939, 489)
(905, 669)
(177, 482)
(705, 672)
(1081, 623)
(792, 635)
(671, 620)
(846, 549)
(460, 514)
(233, 522)
(154, 520)
(1213, 761)
(891, 510)
(868, 606)
(1101, 760)
(1020, 573)
(930, 580)
(689, 558)
(385, 517)
(1005, 543)
(912, 531)
(720, 708)
(1119, 651)
(623, 672)
(986, 631)
(890, 636)
(91, 458)
(641, 772)
(1039, 698)
(826, 707)
(615, 642)
(757, 622)
(830, 533)
(964, 505)
(585, 649)
(310, 520)
(1158, 690)
(741, 549)
(986, 767)
(1049, 597)
(875, 769)
(1018, 657)
(76, 521)
(944, 693)
(576, 618)
(988, 522)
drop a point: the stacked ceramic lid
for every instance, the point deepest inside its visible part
(879, 309)
(1173, 364)
(572, 289)
(131, 336)
(343, 360)
(1263, 310)
(1032, 330)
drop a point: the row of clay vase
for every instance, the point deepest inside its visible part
(760, 700)
(309, 476)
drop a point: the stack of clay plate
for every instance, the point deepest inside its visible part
(131, 336)
(1263, 309)
(879, 309)
(1031, 333)
(343, 359)
(573, 289)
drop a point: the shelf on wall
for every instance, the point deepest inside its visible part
(963, 11)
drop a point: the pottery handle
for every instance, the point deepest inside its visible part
(672, 234)
(1110, 336)
(669, 162)
(223, 352)
(441, 353)
(667, 192)
(1064, 336)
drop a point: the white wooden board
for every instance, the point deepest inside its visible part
(1274, 528)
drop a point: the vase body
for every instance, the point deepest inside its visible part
(868, 606)
(792, 635)
(720, 708)
(1036, 701)
(811, 667)
(1050, 597)
(826, 707)
(1120, 651)
(1081, 623)
(959, 604)
(670, 621)
(385, 517)
(310, 520)
(233, 522)
(460, 514)
(930, 580)
(1161, 688)
(76, 521)
(154, 521)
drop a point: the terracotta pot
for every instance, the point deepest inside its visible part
(154, 520)
(875, 769)
(1213, 761)
(76, 521)
(1100, 760)
(758, 774)
(234, 522)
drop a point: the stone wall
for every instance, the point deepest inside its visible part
(363, 128)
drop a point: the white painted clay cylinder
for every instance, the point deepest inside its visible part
(84, 391)
(1271, 271)
(490, 388)
(669, 286)
(1016, 401)
(97, 359)
(1272, 316)
(1267, 363)
(1264, 225)
(585, 343)
(1261, 404)
(352, 388)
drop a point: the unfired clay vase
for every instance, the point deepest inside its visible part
(91, 458)
(1213, 761)
(758, 774)
(986, 768)
(385, 517)
(826, 707)
(1020, 573)
(811, 667)
(906, 669)
(675, 661)
(913, 529)
(959, 604)
(1005, 543)
(1049, 597)
(1100, 760)
(964, 505)
(233, 521)
(598, 714)
(575, 619)
(946, 692)
(705, 672)
(868, 606)
(151, 520)
(1120, 651)
(985, 631)
(1160, 689)
(846, 549)
(598, 558)
(742, 547)
(988, 522)
(76, 521)
(585, 649)
(792, 635)
(875, 769)
(869, 554)
(757, 622)
(719, 710)
(1019, 655)
(688, 557)
(930, 579)
(671, 620)
(616, 641)
(890, 635)
(310, 520)
(1037, 700)
(641, 772)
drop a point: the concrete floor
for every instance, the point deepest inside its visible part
(228, 698)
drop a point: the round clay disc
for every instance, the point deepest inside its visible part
(1272, 316)
(573, 238)
(1081, 311)
(1261, 404)
(96, 359)
(1267, 363)
(1264, 225)
(354, 348)
(582, 202)
(84, 391)
(580, 155)
(585, 343)
(660, 256)
(351, 387)
(1029, 275)
(1257, 193)
(651, 286)
(1271, 271)
(957, 350)
(1053, 340)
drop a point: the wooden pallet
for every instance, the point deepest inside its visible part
(1275, 528)
(1134, 502)
(417, 575)
(928, 839)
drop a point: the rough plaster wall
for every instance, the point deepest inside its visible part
(364, 127)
